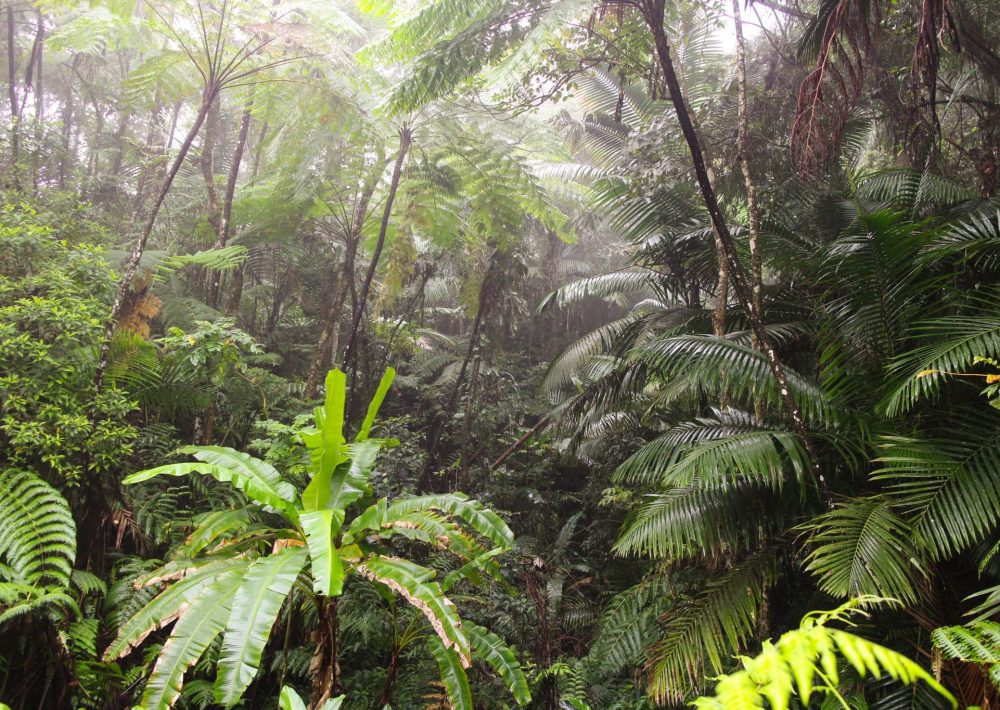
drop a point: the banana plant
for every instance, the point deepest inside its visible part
(235, 572)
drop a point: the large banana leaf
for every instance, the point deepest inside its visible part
(259, 480)
(255, 609)
(168, 606)
(375, 404)
(326, 444)
(488, 646)
(413, 582)
(452, 671)
(199, 625)
(328, 571)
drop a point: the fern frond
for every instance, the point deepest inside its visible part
(37, 531)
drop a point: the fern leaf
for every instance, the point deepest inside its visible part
(37, 532)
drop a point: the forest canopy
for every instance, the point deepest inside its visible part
(475, 354)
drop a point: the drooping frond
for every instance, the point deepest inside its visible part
(947, 489)
(629, 626)
(708, 451)
(863, 547)
(700, 636)
(952, 345)
(682, 523)
(742, 371)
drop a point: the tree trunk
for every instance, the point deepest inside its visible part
(132, 264)
(206, 162)
(437, 429)
(227, 200)
(67, 127)
(324, 665)
(405, 138)
(39, 104)
(653, 14)
(327, 345)
(15, 140)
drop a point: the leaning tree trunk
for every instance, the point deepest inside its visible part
(132, 264)
(437, 428)
(653, 13)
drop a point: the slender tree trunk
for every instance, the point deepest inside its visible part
(132, 264)
(470, 402)
(390, 678)
(39, 104)
(653, 11)
(67, 127)
(326, 347)
(15, 138)
(405, 138)
(753, 208)
(227, 200)
(437, 429)
(173, 125)
(721, 295)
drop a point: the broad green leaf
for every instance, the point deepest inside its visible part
(168, 605)
(290, 700)
(320, 526)
(214, 525)
(450, 666)
(199, 625)
(376, 404)
(413, 582)
(255, 609)
(491, 648)
(259, 480)
(327, 450)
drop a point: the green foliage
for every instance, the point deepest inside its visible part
(976, 642)
(252, 577)
(53, 302)
(37, 532)
(805, 661)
